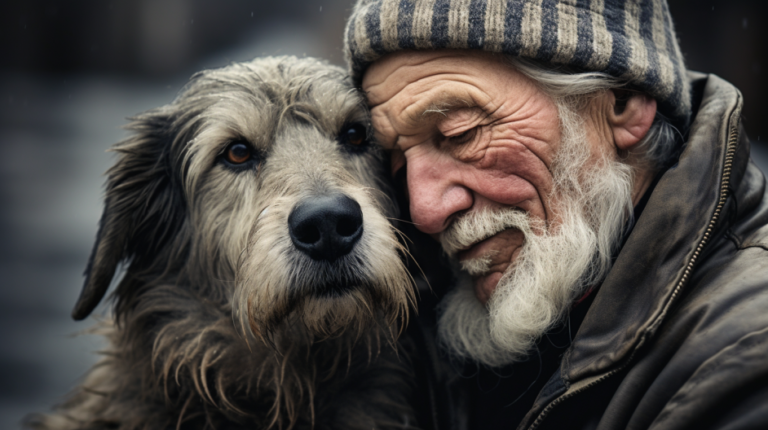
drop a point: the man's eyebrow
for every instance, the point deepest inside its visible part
(447, 105)
(440, 107)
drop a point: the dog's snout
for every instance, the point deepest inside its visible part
(327, 227)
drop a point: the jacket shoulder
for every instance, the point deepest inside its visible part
(728, 390)
(710, 355)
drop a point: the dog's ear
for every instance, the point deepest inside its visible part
(144, 207)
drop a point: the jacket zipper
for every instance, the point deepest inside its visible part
(724, 184)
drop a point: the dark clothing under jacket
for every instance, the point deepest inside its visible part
(677, 334)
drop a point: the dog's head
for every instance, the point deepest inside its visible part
(260, 189)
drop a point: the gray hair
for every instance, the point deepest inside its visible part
(658, 148)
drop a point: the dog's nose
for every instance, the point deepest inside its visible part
(326, 228)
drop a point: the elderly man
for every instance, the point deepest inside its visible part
(597, 201)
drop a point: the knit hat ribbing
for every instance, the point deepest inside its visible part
(630, 39)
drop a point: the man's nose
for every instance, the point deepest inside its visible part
(436, 191)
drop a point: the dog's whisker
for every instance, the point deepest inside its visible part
(404, 221)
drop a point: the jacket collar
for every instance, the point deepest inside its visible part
(666, 243)
(688, 206)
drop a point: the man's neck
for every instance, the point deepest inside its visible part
(642, 180)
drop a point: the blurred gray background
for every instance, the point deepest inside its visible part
(71, 72)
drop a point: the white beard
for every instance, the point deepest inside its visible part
(553, 268)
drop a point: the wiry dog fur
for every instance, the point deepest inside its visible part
(219, 321)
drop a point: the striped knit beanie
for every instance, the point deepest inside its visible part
(630, 39)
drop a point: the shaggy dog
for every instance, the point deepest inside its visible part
(263, 283)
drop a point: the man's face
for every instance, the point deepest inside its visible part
(476, 135)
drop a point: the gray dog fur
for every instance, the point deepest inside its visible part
(217, 322)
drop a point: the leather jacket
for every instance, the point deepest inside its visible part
(677, 334)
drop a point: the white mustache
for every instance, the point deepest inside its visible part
(477, 226)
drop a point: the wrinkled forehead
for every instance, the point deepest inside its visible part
(391, 73)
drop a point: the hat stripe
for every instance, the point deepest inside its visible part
(476, 35)
(388, 26)
(549, 27)
(373, 27)
(530, 32)
(361, 39)
(567, 31)
(513, 23)
(458, 25)
(676, 56)
(421, 30)
(646, 33)
(666, 65)
(440, 23)
(620, 51)
(405, 24)
(637, 61)
(602, 41)
(584, 45)
(494, 25)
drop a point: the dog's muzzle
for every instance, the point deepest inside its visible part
(327, 227)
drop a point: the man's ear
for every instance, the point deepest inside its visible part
(631, 117)
(143, 208)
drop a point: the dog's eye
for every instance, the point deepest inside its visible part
(239, 156)
(354, 135)
(237, 153)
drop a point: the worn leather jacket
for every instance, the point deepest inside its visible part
(677, 335)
